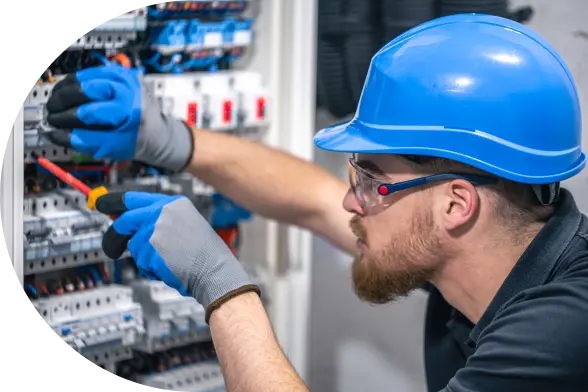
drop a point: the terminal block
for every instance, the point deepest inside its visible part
(58, 224)
(171, 320)
(100, 323)
(223, 101)
(199, 377)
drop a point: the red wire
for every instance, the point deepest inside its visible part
(40, 286)
(105, 274)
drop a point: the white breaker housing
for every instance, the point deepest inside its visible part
(200, 377)
(171, 320)
(114, 34)
(221, 101)
(100, 320)
(63, 224)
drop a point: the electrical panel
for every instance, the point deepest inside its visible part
(139, 328)
(171, 320)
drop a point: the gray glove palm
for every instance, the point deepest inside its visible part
(172, 242)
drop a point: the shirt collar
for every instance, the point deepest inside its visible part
(537, 262)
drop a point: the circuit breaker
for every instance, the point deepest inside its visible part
(171, 319)
(102, 323)
(220, 101)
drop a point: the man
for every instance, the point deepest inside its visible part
(466, 126)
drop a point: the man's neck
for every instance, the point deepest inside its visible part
(470, 281)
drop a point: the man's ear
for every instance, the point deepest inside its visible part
(460, 205)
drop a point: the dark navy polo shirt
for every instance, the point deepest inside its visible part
(534, 334)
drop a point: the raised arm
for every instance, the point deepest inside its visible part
(104, 111)
(160, 231)
(274, 184)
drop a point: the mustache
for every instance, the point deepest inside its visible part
(357, 229)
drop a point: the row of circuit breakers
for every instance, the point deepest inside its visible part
(138, 328)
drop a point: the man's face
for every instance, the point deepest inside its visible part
(398, 241)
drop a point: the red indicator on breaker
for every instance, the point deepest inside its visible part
(227, 111)
(191, 116)
(260, 108)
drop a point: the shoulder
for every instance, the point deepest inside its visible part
(537, 341)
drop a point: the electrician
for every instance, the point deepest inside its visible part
(466, 127)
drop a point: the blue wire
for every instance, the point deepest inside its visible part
(117, 271)
(96, 276)
(100, 58)
(31, 288)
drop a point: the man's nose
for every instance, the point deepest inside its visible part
(351, 203)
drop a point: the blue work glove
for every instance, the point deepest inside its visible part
(172, 242)
(105, 111)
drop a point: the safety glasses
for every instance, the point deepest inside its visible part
(371, 191)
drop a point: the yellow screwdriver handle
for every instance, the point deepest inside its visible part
(94, 195)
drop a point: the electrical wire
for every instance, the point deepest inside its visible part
(90, 284)
(31, 291)
(345, 45)
(105, 274)
(80, 284)
(43, 290)
(102, 60)
(96, 276)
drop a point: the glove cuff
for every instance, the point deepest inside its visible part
(163, 141)
(230, 295)
(183, 147)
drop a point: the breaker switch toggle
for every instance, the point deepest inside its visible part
(260, 108)
(192, 114)
(227, 111)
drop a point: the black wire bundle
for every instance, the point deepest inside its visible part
(348, 38)
(489, 7)
(352, 31)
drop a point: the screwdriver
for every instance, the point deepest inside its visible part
(113, 244)
(69, 179)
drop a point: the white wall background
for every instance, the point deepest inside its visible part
(357, 347)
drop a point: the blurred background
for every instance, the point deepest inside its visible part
(355, 346)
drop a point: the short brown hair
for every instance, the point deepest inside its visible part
(515, 202)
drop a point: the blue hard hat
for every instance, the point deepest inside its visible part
(477, 89)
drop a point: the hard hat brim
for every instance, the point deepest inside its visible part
(357, 137)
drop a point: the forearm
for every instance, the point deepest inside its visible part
(250, 356)
(273, 184)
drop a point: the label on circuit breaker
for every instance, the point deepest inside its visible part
(118, 319)
(242, 38)
(213, 40)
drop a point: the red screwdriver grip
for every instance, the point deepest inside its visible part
(64, 176)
